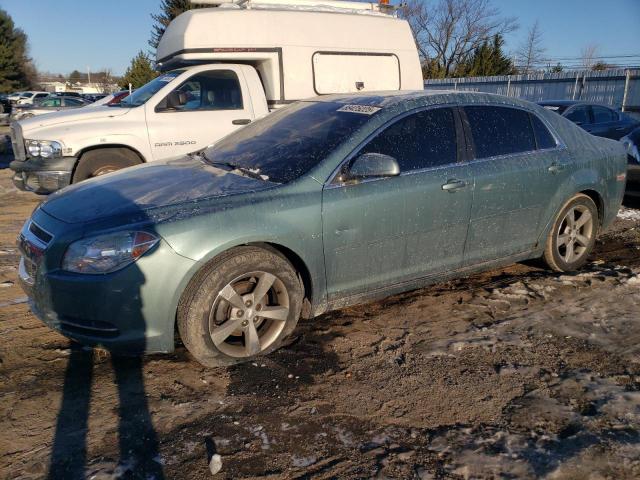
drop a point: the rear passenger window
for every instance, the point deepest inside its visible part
(500, 130)
(544, 139)
(421, 140)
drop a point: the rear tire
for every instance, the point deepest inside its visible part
(573, 235)
(222, 317)
(99, 162)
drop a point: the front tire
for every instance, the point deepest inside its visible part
(573, 235)
(241, 305)
(99, 162)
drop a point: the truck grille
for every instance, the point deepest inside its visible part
(17, 143)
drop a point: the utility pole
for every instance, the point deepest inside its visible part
(89, 73)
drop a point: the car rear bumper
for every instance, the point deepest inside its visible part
(43, 176)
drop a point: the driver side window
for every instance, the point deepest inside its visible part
(212, 90)
(421, 140)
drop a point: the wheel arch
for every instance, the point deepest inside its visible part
(591, 192)
(108, 146)
(598, 200)
(294, 259)
(287, 253)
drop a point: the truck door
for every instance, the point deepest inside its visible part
(202, 109)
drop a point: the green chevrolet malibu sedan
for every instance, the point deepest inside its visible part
(325, 203)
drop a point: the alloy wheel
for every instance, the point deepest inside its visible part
(249, 314)
(575, 234)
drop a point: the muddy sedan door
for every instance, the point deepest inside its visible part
(518, 168)
(380, 232)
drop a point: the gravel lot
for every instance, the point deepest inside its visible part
(513, 373)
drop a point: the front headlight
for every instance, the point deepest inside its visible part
(43, 148)
(107, 253)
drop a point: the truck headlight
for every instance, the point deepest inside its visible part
(43, 148)
(107, 253)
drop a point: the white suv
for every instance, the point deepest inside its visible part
(27, 98)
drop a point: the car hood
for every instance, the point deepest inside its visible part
(72, 115)
(133, 193)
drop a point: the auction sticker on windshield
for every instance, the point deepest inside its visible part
(363, 109)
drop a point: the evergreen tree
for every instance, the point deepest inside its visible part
(16, 69)
(486, 60)
(139, 72)
(557, 68)
(600, 66)
(170, 9)
(75, 76)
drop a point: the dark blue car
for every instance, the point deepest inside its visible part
(598, 120)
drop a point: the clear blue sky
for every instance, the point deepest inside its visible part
(73, 34)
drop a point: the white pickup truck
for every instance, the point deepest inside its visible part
(222, 68)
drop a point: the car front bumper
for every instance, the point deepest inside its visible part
(43, 176)
(130, 311)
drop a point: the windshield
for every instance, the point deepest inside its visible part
(144, 93)
(289, 142)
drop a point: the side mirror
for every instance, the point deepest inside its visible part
(373, 165)
(176, 100)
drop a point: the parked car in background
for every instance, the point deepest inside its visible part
(598, 120)
(113, 99)
(285, 217)
(14, 97)
(5, 104)
(632, 143)
(93, 97)
(65, 94)
(47, 105)
(27, 98)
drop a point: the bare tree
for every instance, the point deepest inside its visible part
(589, 54)
(531, 52)
(448, 31)
(104, 80)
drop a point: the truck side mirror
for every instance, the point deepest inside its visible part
(373, 165)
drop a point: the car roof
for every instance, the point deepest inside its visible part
(405, 100)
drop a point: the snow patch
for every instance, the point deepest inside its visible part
(629, 214)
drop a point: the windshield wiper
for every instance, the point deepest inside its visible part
(244, 170)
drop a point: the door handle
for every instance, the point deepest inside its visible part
(241, 121)
(555, 168)
(453, 185)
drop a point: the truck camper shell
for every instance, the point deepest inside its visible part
(298, 52)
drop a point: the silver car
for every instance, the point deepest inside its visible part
(47, 105)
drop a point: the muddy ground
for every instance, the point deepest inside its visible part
(513, 373)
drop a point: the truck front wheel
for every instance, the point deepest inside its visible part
(98, 162)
